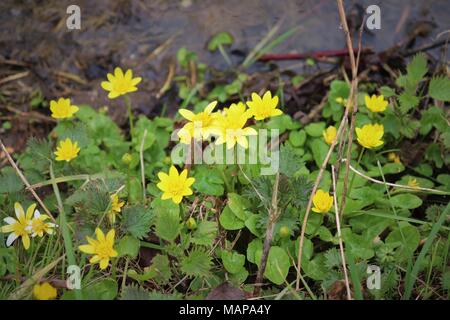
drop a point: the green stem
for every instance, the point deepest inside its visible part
(64, 227)
(130, 114)
(224, 55)
(354, 174)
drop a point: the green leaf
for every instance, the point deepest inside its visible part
(290, 161)
(232, 261)
(440, 88)
(315, 129)
(136, 220)
(254, 251)
(278, 264)
(283, 123)
(411, 240)
(134, 292)
(167, 225)
(316, 268)
(205, 233)
(387, 92)
(433, 153)
(319, 150)
(208, 180)
(238, 204)
(106, 289)
(417, 68)
(221, 38)
(433, 117)
(297, 138)
(197, 264)
(229, 220)
(407, 101)
(160, 269)
(128, 246)
(406, 201)
(10, 181)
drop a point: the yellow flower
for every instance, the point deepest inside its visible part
(67, 150)
(265, 107)
(102, 248)
(18, 228)
(37, 226)
(120, 83)
(412, 182)
(322, 201)
(116, 207)
(231, 126)
(392, 156)
(370, 135)
(44, 291)
(376, 103)
(200, 125)
(62, 109)
(329, 134)
(175, 186)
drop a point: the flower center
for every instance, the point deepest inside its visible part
(19, 229)
(104, 250)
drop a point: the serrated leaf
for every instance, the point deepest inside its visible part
(136, 220)
(167, 225)
(196, 264)
(407, 101)
(440, 88)
(134, 292)
(205, 233)
(417, 68)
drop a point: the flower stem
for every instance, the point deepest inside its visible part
(130, 114)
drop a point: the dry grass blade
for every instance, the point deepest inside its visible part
(338, 227)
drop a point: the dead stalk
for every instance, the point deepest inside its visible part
(273, 217)
(338, 227)
(339, 134)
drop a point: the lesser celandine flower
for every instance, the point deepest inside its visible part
(44, 291)
(38, 225)
(102, 248)
(116, 207)
(200, 125)
(231, 126)
(370, 135)
(120, 83)
(18, 228)
(62, 109)
(265, 107)
(392, 156)
(322, 201)
(329, 134)
(376, 103)
(175, 186)
(67, 150)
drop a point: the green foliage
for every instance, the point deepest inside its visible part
(440, 88)
(137, 220)
(196, 264)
